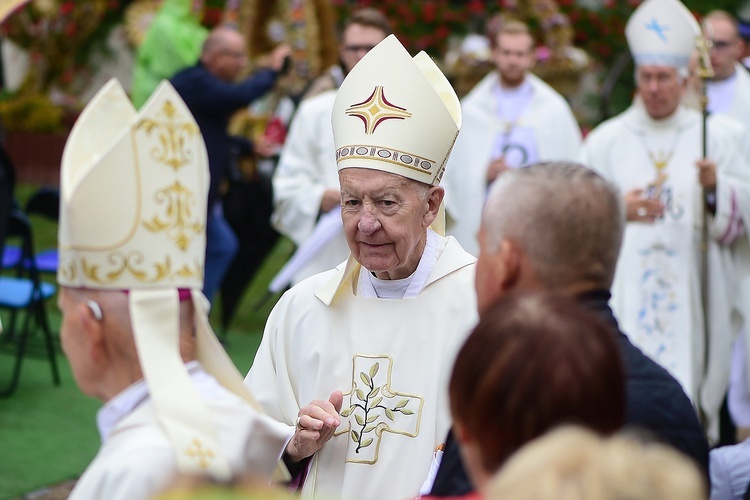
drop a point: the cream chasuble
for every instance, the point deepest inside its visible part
(547, 118)
(391, 358)
(656, 293)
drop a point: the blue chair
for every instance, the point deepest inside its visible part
(24, 295)
(46, 203)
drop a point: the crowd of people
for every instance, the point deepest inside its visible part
(485, 304)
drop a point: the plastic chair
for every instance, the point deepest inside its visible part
(24, 295)
(45, 202)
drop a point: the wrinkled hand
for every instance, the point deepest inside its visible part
(331, 199)
(495, 168)
(640, 209)
(706, 173)
(317, 423)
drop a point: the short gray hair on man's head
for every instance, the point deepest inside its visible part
(566, 218)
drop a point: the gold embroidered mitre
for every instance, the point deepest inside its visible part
(662, 33)
(133, 195)
(134, 190)
(397, 114)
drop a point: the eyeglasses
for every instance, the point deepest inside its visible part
(721, 44)
(234, 53)
(358, 48)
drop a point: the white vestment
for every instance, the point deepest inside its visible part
(736, 104)
(137, 460)
(390, 357)
(307, 168)
(547, 117)
(656, 294)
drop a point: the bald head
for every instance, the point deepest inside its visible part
(224, 53)
(565, 219)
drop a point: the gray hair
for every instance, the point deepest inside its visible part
(567, 219)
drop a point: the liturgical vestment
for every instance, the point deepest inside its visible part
(390, 357)
(546, 129)
(656, 294)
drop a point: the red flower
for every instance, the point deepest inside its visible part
(66, 8)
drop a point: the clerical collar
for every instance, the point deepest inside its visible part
(371, 287)
(125, 402)
(511, 102)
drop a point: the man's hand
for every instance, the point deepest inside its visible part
(706, 173)
(331, 199)
(495, 168)
(316, 425)
(276, 59)
(640, 209)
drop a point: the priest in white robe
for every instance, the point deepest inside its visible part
(134, 189)
(306, 181)
(511, 119)
(368, 343)
(728, 94)
(652, 151)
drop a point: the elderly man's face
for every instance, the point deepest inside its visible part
(385, 220)
(661, 89)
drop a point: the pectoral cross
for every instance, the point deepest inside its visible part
(204, 456)
(374, 408)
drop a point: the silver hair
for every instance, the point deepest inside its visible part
(566, 218)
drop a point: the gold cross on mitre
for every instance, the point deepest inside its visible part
(376, 109)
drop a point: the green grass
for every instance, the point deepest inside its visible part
(48, 434)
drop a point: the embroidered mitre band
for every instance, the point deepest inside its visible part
(662, 33)
(397, 114)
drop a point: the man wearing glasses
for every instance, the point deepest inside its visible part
(729, 94)
(306, 183)
(652, 151)
(213, 93)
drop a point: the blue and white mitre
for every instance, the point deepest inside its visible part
(662, 33)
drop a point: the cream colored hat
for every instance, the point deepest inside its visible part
(662, 33)
(134, 189)
(397, 114)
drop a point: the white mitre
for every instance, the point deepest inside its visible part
(133, 196)
(662, 33)
(397, 114)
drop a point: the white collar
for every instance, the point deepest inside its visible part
(125, 402)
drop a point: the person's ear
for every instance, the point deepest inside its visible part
(459, 432)
(435, 197)
(91, 320)
(509, 255)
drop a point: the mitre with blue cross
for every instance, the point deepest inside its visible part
(397, 114)
(133, 207)
(662, 33)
